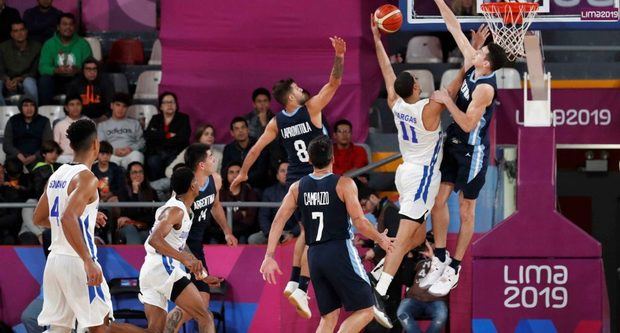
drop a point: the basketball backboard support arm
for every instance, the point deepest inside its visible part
(537, 111)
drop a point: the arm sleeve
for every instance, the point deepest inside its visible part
(46, 60)
(48, 135)
(3, 74)
(7, 145)
(34, 66)
(181, 139)
(361, 159)
(138, 137)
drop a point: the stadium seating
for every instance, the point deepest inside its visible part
(156, 53)
(448, 76)
(119, 82)
(95, 47)
(6, 112)
(424, 49)
(142, 112)
(53, 112)
(148, 85)
(508, 78)
(127, 52)
(426, 80)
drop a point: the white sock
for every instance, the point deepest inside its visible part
(384, 283)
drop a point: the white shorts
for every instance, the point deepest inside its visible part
(417, 187)
(157, 277)
(67, 297)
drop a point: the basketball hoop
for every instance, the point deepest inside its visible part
(509, 22)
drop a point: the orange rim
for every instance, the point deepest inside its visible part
(511, 12)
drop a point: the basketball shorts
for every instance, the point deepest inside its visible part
(338, 277)
(417, 187)
(67, 297)
(157, 277)
(465, 166)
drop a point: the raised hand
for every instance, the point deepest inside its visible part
(479, 36)
(340, 46)
(441, 96)
(374, 28)
(234, 186)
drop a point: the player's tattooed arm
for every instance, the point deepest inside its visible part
(338, 68)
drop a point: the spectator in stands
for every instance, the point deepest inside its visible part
(30, 233)
(12, 189)
(387, 215)
(204, 134)
(166, 136)
(464, 7)
(347, 156)
(111, 183)
(61, 59)
(94, 89)
(274, 193)
(261, 114)
(244, 218)
(110, 175)
(18, 63)
(73, 112)
(25, 132)
(418, 302)
(135, 223)
(237, 150)
(42, 171)
(42, 20)
(8, 16)
(124, 134)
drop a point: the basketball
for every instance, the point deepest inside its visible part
(388, 18)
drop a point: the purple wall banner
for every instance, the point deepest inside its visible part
(582, 116)
(215, 53)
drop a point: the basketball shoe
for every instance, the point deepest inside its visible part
(299, 299)
(435, 272)
(448, 281)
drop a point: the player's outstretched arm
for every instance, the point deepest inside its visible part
(316, 104)
(82, 189)
(454, 27)
(171, 217)
(42, 211)
(269, 267)
(384, 63)
(218, 213)
(480, 99)
(270, 134)
(347, 190)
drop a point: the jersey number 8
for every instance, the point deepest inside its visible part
(302, 152)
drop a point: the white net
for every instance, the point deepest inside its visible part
(508, 23)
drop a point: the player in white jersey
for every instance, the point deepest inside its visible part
(73, 284)
(163, 275)
(420, 142)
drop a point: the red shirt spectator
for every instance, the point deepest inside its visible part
(347, 156)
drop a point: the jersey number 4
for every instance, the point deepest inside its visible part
(54, 211)
(319, 232)
(302, 151)
(403, 127)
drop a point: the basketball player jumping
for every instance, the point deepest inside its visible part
(198, 157)
(163, 277)
(73, 284)
(420, 142)
(466, 153)
(326, 202)
(296, 126)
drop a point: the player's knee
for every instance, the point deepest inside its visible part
(204, 316)
(366, 314)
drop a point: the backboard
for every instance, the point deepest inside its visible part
(423, 15)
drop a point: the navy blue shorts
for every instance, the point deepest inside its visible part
(338, 277)
(465, 166)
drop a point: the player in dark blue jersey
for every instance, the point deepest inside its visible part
(299, 122)
(466, 151)
(198, 157)
(326, 202)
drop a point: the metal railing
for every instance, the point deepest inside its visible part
(228, 205)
